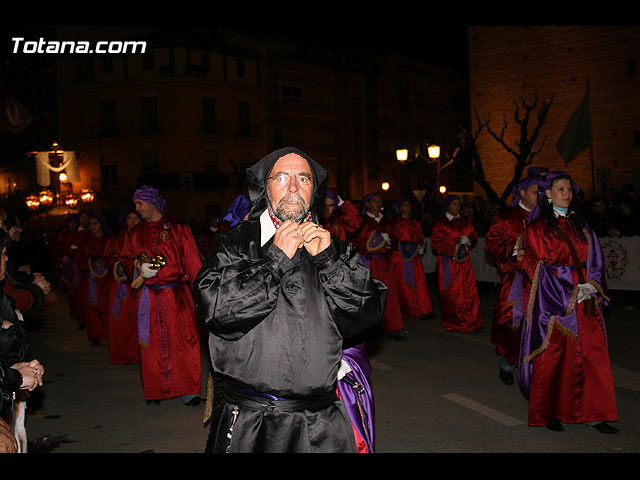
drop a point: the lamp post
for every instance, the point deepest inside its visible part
(433, 155)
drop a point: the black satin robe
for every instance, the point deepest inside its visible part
(277, 326)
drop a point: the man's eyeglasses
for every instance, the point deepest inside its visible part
(282, 179)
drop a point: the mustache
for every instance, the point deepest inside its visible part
(292, 198)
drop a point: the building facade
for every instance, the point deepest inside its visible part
(508, 64)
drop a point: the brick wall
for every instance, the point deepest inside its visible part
(510, 63)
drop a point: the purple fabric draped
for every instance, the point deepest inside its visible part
(121, 294)
(516, 298)
(534, 175)
(238, 209)
(98, 268)
(552, 300)
(356, 393)
(446, 270)
(67, 269)
(407, 252)
(144, 311)
(448, 200)
(332, 195)
(150, 195)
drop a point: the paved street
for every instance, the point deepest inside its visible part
(436, 392)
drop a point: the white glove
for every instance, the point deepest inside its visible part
(386, 237)
(343, 370)
(147, 271)
(421, 251)
(585, 290)
(464, 240)
(73, 247)
(340, 200)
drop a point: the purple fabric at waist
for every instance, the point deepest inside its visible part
(165, 286)
(247, 391)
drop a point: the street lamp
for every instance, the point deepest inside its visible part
(33, 202)
(46, 198)
(86, 195)
(402, 155)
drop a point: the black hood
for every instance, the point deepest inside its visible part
(257, 178)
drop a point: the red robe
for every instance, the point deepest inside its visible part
(457, 289)
(123, 334)
(344, 222)
(413, 292)
(504, 235)
(571, 379)
(376, 255)
(169, 344)
(94, 285)
(69, 243)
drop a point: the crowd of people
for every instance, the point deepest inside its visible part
(290, 281)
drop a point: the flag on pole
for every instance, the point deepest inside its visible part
(577, 133)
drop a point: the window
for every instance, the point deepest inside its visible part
(209, 115)
(108, 121)
(148, 60)
(109, 177)
(240, 70)
(148, 115)
(244, 120)
(288, 93)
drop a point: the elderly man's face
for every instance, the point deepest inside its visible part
(289, 187)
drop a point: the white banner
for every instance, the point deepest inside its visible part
(621, 260)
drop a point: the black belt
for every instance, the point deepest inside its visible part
(258, 402)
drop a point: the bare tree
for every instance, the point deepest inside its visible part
(467, 156)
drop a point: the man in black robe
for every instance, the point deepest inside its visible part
(279, 294)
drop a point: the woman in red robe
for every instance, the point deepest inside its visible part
(95, 280)
(452, 237)
(413, 292)
(564, 370)
(374, 244)
(123, 335)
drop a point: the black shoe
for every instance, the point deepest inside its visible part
(506, 377)
(555, 425)
(604, 427)
(95, 343)
(154, 402)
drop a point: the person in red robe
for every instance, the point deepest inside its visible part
(168, 335)
(340, 216)
(413, 292)
(375, 246)
(123, 336)
(95, 280)
(564, 369)
(504, 243)
(76, 240)
(452, 238)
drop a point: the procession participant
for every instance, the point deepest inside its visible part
(413, 292)
(168, 335)
(564, 369)
(340, 216)
(452, 238)
(279, 294)
(95, 280)
(123, 336)
(375, 246)
(504, 243)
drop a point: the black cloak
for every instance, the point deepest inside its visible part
(277, 326)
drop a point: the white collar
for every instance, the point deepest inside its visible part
(451, 217)
(376, 218)
(267, 228)
(523, 206)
